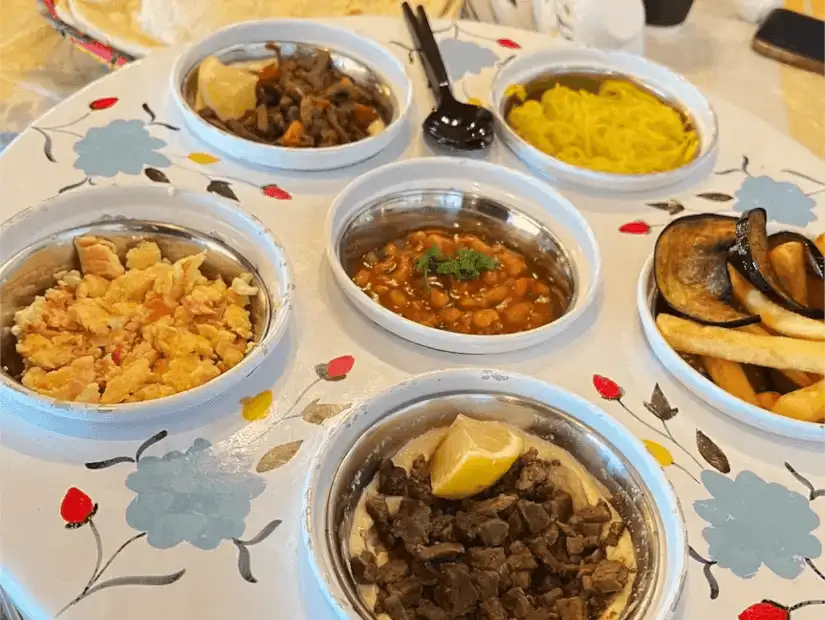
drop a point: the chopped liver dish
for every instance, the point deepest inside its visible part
(517, 550)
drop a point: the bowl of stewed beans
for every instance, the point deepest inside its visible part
(462, 256)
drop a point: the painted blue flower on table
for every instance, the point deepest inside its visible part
(5, 138)
(121, 146)
(784, 201)
(754, 522)
(192, 496)
(463, 57)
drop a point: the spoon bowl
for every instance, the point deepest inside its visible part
(459, 125)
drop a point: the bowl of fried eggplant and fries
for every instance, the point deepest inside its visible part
(735, 310)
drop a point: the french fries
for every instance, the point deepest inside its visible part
(807, 404)
(788, 261)
(730, 376)
(797, 377)
(767, 399)
(773, 315)
(820, 242)
(729, 344)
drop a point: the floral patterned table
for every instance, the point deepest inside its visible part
(203, 512)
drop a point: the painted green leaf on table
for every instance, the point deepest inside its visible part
(222, 188)
(716, 196)
(278, 456)
(153, 174)
(317, 412)
(659, 405)
(712, 453)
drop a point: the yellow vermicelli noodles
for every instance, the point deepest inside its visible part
(622, 129)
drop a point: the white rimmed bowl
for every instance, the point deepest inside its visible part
(561, 60)
(517, 201)
(704, 388)
(376, 429)
(246, 41)
(37, 242)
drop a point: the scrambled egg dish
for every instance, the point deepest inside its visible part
(113, 334)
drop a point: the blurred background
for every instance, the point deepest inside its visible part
(39, 68)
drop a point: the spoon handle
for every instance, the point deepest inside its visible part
(428, 50)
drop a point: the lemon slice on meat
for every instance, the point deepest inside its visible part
(472, 457)
(228, 90)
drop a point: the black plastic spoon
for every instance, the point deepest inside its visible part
(451, 124)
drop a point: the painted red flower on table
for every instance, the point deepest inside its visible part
(637, 227)
(278, 193)
(103, 104)
(607, 388)
(771, 610)
(766, 610)
(508, 43)
(340, 367)
(77, 508)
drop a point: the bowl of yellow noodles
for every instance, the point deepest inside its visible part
(605, 122)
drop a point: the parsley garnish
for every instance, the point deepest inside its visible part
(466, 265)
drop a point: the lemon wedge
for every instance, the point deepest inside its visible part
(472, 457)
(228, 90)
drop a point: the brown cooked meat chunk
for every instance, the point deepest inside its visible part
(412, 523)
(486, 583)
(488, 559)
(364, 568)
(393, 571)
(408, 590)
(492, 609)
(534, 515)
(455, 592)
(573, 608)
(609, 576)
(493, 532)
(392, 480)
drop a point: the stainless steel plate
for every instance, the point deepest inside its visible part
(360, 73)
(590, 80)
(393, 216)
(643, 511)
(31, 272)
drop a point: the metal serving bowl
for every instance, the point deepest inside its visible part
(497, 202)
(245, 52)
(364, 60)
(40, 244)
(587, 68)
(377, 429)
